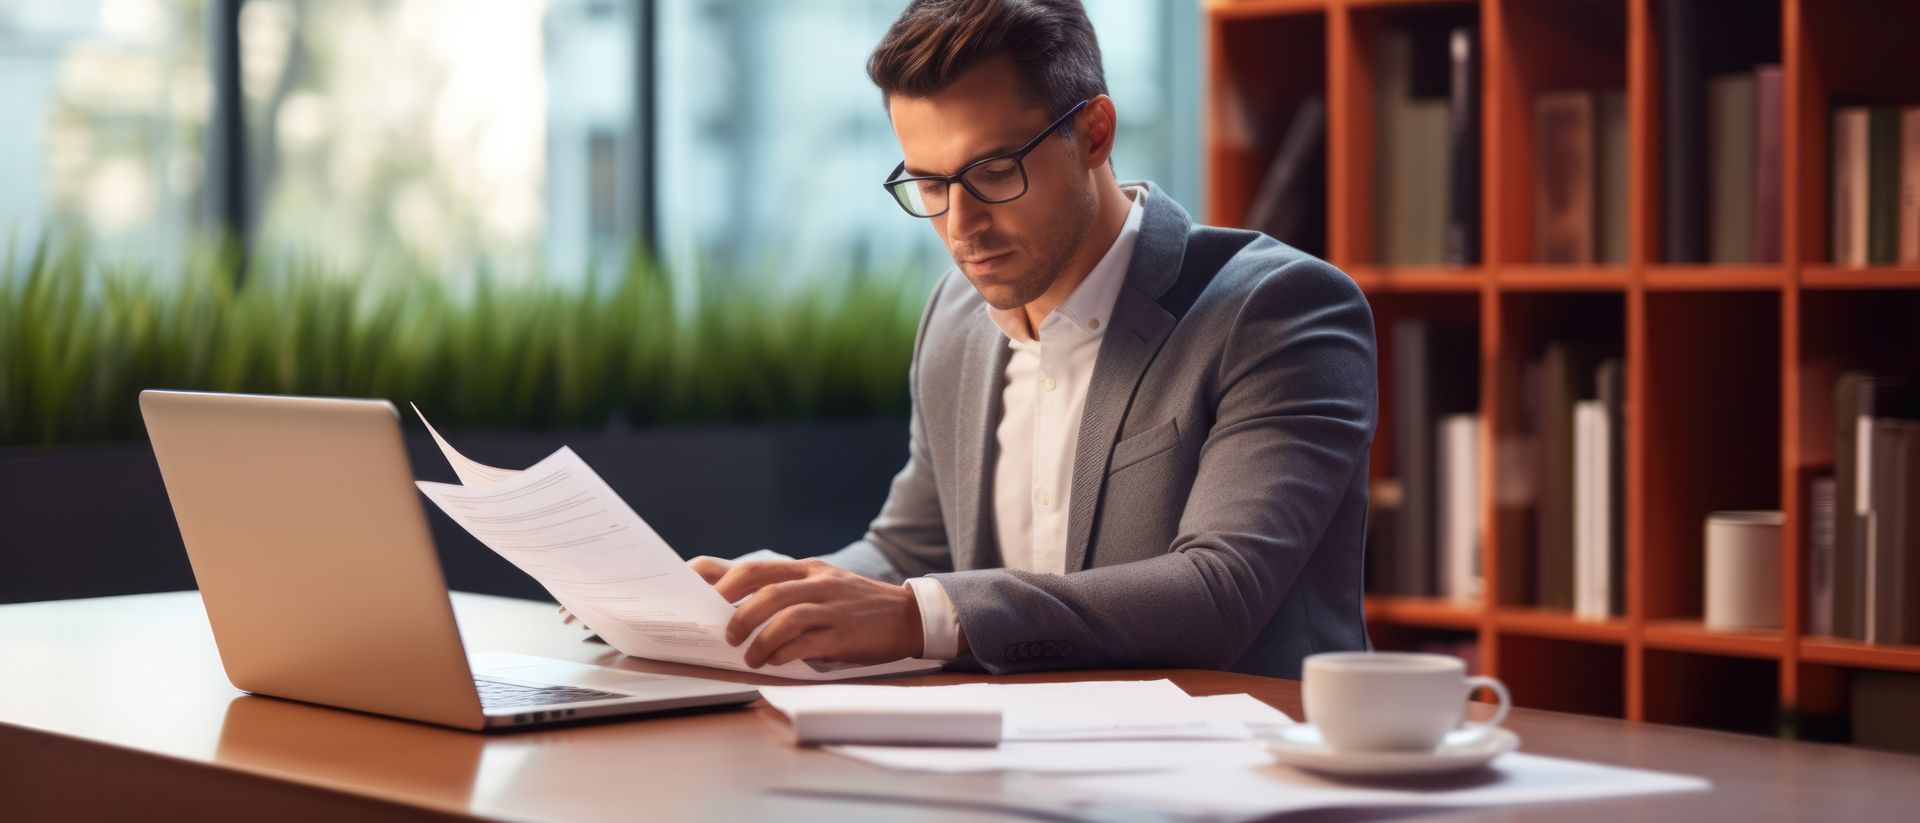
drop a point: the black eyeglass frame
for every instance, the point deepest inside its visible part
(1019, 157)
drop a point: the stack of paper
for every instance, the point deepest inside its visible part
(1044, 727)
(561, 524)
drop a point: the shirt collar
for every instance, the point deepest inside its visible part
(1089, 306)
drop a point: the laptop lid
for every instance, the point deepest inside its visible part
(312, 553)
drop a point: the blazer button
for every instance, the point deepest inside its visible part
(1066, 648)
(1052, 649)
(1013, 653)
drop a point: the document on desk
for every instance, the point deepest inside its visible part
(559, 522)
(1217, 791)
(1026, 712)
(1262, 792)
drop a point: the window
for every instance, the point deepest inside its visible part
(741, 136)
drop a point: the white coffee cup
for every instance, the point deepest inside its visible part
(1393, 701)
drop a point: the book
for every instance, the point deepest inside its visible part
(1886, 507)
(1410, 180)
(1384, 498)
(1563, 191)
(1434, 373)
(1858, 396)
(1590, 596)
(1610, 386)
(1850, 186)
(1820, 534)
(1769, 149)
(1565, 369)
(1730, 166)
(1459, 510)
(1909, 186)
(1683, 143)
(1517, 473)
(1463, 147)
(1883, 184)
(1610, 175)
(1290, 205)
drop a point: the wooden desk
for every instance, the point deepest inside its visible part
(118, 707)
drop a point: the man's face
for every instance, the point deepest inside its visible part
(1014, 251)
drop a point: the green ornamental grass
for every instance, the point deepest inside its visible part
(80, 337)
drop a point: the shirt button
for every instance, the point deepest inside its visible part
(1094, 324)
(1048, 383)
(1042, 498)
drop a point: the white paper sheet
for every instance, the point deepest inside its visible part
(1234, 794)
(1104, 710)
(1065, 757)
(559, 522)
(470, 473)
(1262, 792)
(1260, 719)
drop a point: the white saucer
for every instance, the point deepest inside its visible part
(1301, 746)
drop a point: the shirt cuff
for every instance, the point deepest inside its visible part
(939, 625)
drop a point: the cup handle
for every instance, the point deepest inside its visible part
(1482, 730)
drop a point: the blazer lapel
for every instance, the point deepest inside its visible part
(983, 370)
(1138, 328)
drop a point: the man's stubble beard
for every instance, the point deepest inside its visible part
(1060, 243)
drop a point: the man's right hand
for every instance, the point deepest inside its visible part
(710, 569)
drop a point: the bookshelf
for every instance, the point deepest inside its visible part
(1729, 368)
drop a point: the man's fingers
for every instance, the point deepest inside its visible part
(566, 617)
(710, 568)
(813, 643)
(747, 578)
(766, 603)
(784, 628)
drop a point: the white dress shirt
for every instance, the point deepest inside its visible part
(1041, 404)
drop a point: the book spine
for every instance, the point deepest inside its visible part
(1610, 175)
(1910, 186)
(1850, 186)
(1558, 395)
(1730, 167)
(1820, 571)
(1883, 185)
(1683, 144)
(1586, 502)
(1611, 388)
(1563, 177)
(1768, 162)
(1459, 439)
(1463, 148)
(1413, 456)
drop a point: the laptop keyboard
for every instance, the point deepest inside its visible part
(497, 694)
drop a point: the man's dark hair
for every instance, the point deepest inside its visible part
(1050, 42)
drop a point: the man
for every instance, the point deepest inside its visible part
(1136, 441)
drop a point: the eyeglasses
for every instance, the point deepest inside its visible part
(996, 179)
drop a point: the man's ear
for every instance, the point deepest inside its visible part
(1097, 125)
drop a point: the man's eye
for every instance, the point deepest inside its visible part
(931, 188)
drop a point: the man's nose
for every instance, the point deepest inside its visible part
(966, 215)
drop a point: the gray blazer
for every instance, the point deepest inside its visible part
(1219, 482)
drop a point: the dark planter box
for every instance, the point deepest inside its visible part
(93, 520)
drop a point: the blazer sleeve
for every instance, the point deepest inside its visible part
(1295, 417)
(909, 536)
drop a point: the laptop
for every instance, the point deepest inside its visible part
(321, 582)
